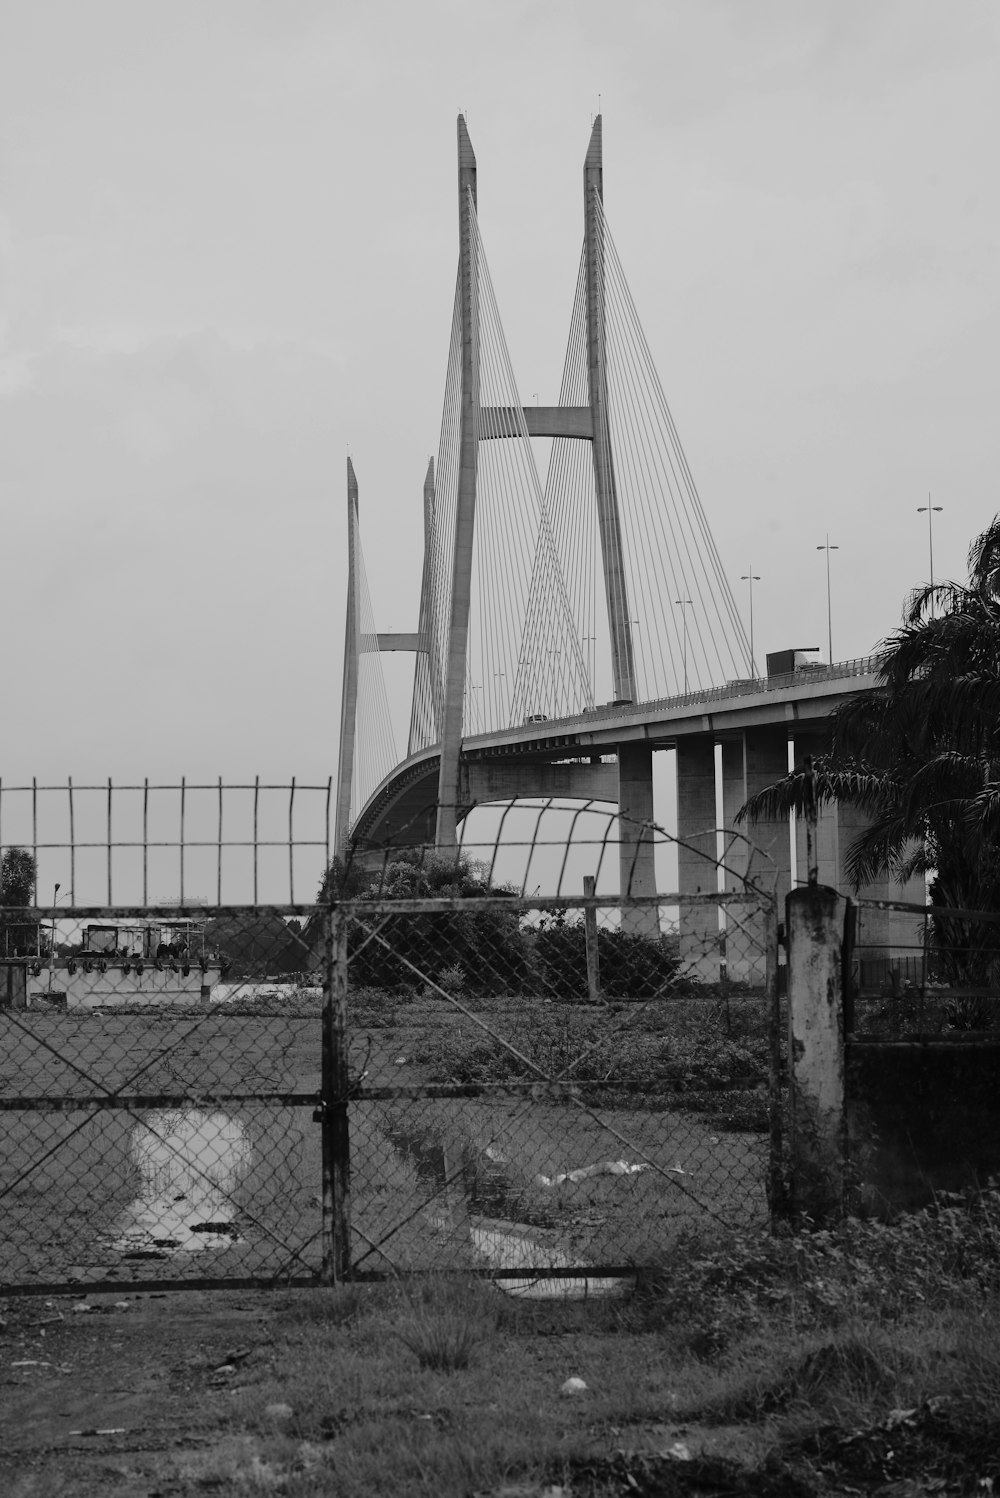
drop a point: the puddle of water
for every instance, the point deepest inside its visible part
(189, 1166)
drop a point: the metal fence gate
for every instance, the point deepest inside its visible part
(402, 1075)
(522, 1111)
(158, 1091)
(435, 1084)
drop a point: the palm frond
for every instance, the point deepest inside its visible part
(984, 559)
(827, 783)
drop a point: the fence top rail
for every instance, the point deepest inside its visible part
(14, 915)
(432, 904)
(939, 912)
(141, 841)
(103, 786)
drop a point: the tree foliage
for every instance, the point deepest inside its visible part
(632, 966)
(920, 756)
(18, 937)
(486, 945)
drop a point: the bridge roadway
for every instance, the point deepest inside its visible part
(730, 742)
(603, 754)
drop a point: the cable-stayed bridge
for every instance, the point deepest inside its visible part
(567, 627)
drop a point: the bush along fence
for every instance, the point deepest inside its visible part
(893, 1084)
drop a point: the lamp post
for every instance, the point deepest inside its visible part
(829, 606)
(751, 577)
(684, 604)
(932, 510)
(52, 954)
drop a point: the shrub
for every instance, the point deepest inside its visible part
(407, 950)
(631, 966)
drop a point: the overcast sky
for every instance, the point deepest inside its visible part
(227, 258)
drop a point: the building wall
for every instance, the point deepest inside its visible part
(117, 989)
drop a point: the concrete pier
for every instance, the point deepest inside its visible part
(697, 869)
(636, 851)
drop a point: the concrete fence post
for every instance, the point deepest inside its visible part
(814, 923)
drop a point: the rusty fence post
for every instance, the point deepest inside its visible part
(334, 1114)
(590, 937)
(814, 922)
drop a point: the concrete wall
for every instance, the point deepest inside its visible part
(116, 989)
(876, 1126)
(922, 1117)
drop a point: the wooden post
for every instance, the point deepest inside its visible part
(333, 1113)
(590, 935)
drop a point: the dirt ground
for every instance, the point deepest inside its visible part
(107, 1399)
(163, 1395)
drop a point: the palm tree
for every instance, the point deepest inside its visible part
(920, 757)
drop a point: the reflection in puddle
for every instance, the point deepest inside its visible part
(189, 1166)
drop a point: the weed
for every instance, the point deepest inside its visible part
(443, 1324)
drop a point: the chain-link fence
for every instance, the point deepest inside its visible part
(160, 1071)
(554, 1084)
(916, 971)
(424, 1069)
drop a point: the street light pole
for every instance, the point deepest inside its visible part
(684, 604)
(829, 605)
(751, 577)
(932, 510)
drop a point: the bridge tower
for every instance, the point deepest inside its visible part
(446, 830)
(609, 519)
(589, 423)
(352, 649)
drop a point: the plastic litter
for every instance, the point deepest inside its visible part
(602, 1168)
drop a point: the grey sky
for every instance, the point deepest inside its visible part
(227, 255)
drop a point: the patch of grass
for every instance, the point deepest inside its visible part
(857, 1357)
(696, 1055)
(443, 1324)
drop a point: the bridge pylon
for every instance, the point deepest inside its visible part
(349, 693)
(609, 518)
(479, 422)
(456, 658)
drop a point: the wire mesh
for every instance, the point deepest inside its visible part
(517, 1082)
(159, 1071)
(552, 1084)
(923, 971)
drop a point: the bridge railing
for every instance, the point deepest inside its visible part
(752, 686)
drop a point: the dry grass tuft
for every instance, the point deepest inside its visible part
(444, 1323)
